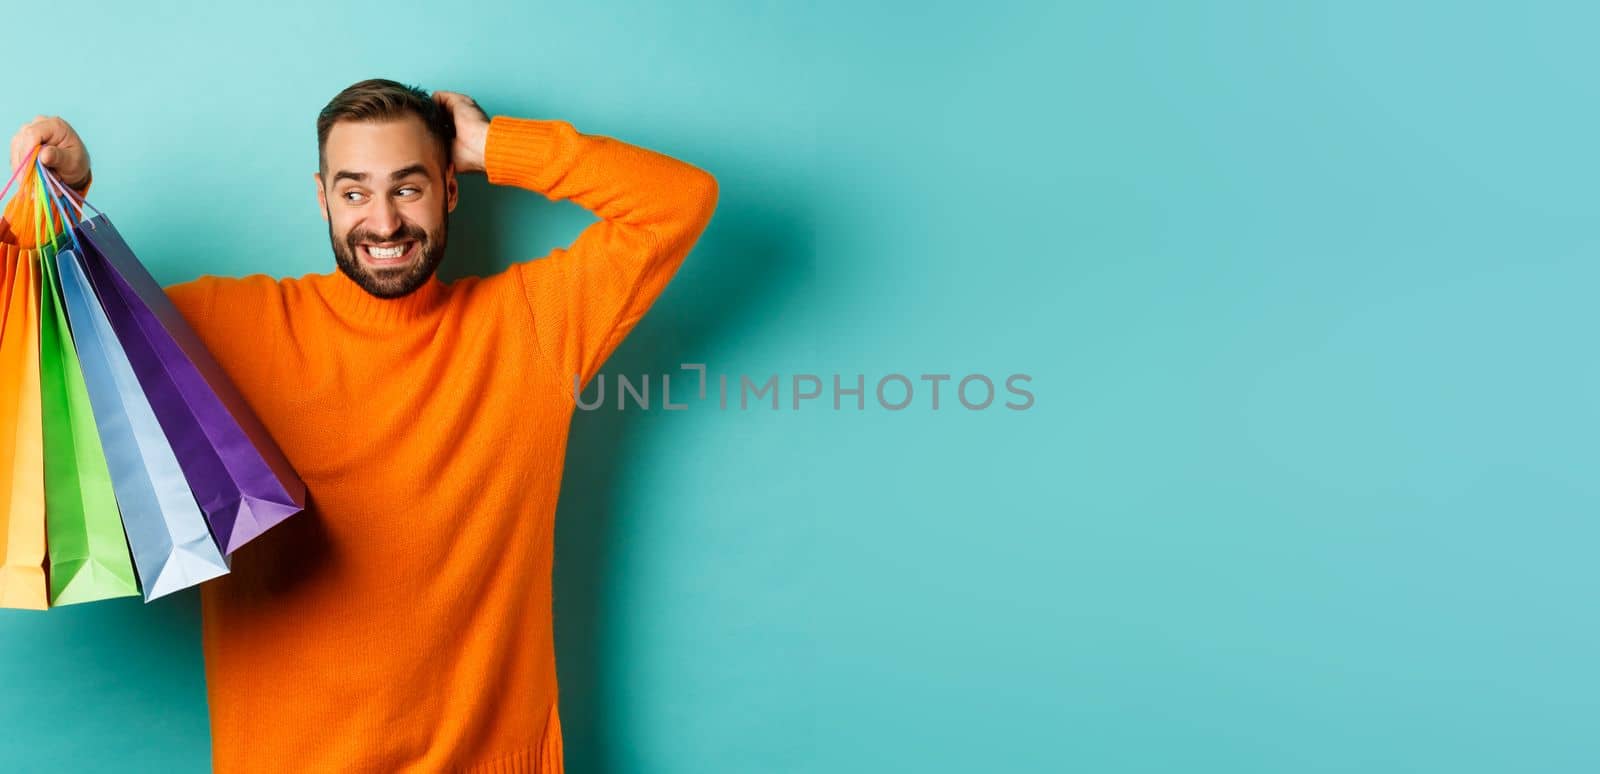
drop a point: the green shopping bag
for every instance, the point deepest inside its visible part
(88, 551)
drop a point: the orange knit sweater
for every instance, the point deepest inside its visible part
(403, 622)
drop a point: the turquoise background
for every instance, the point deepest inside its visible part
(1306, 291)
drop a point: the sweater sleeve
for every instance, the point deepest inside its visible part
(586, 297)
(193, 300)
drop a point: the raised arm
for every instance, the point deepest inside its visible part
(586, 297)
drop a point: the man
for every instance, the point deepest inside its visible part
(403, 622)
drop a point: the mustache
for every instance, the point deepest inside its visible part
(406, 231)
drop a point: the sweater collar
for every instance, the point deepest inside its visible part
(352, 301)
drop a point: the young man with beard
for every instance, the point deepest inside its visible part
(403, 622)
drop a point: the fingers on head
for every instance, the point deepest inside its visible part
(451, 99)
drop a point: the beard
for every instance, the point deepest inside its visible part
(396, 281)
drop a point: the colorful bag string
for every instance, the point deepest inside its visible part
(18, 171)
(13, 219)
(66, 194)
(38, 187)
(72, 204)
(50, 183)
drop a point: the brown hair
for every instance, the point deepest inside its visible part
(380, 99)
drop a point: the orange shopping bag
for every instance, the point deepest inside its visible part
(22, 521)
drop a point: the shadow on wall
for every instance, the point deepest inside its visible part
(748, 258)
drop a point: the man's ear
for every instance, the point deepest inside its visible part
(322, 195)
(451, 189)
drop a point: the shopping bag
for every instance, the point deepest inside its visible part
(22, 533)
(171, 543)
(88, 551)
(238, 475)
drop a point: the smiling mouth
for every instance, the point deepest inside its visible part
(393, 254)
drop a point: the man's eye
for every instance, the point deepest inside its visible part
(411, 188)
(352, 196)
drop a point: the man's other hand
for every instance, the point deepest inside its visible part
(472, 130)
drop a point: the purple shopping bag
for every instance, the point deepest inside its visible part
(239, 476)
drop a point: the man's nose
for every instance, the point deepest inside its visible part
(384, 219)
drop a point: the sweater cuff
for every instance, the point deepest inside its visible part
(521, 152)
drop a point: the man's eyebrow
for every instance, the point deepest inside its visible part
(407, 171)
(361, 177)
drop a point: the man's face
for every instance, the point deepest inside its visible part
(387, 202)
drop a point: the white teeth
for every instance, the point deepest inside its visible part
(386, 252)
